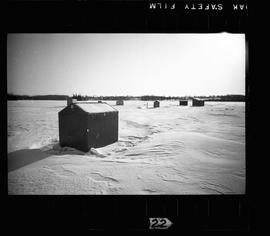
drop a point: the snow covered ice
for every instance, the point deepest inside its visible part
(168, 150)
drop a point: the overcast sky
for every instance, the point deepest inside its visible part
(126, 64)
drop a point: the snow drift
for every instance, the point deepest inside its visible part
(168, 150)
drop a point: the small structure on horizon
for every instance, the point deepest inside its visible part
(71, 100)
(119, 102)
(197, 102)
(83, 125)
(183, 102)
(156, 103)
(99, 101)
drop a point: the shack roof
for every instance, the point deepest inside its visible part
(199, 99)
(95, 107)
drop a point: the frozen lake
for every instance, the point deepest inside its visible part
(168, 150)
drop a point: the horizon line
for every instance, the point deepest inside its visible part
(78, 94)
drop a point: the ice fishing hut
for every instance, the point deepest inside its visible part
(71, 100)
(183, 103)
(83, 125)
(196, 102)
(156, 103)
(119, 102)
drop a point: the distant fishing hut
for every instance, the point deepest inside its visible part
(71, 100)
(156, 103)
(83, 125)
(196, 102)
(183, 103)
(119, 102)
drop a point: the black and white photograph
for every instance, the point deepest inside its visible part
(125, 114)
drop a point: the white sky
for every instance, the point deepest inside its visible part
(126, 64)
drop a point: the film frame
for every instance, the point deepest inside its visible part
(128, 212)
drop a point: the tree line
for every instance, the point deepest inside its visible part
(36, 97)
(79, 97)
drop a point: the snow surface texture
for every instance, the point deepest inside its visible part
(168, 150)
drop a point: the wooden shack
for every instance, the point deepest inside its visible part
(156, 103)
(84, 125)
(196, 102)
(183, 102)
(71, 100)
(119, 102)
